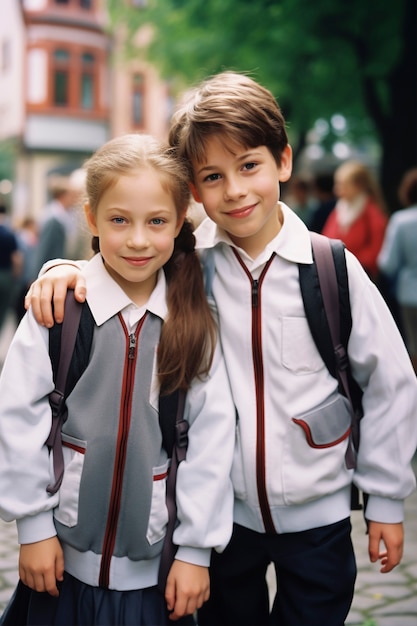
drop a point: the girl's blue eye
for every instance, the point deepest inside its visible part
(157, 221)
(118, 220)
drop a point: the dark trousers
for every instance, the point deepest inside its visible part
(315, 572)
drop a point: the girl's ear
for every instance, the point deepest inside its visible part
(91, 219)
(180, 222)
(194, 192)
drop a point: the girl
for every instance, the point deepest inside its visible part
(90, 553)
(359, 218)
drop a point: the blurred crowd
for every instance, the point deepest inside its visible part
(346, 204)
(349, 205)
(26, 244)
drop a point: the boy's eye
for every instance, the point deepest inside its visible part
(249, 166)
(212, 177)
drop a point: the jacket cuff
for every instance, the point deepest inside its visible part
(196, 556)
(36, 527)
(384, 510)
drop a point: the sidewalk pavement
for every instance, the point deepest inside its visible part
(380, 599)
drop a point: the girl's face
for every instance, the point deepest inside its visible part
(240, 191)
(136, 222)
(344, 185)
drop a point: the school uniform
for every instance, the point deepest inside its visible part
(110, 513)
(291, 483)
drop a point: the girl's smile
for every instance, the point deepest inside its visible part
(136, 222)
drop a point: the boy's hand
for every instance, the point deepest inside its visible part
(188, 587)
(392, 535)
(41, 564)
(52, 287)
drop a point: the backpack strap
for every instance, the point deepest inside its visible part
(178, 445)
(325, 291)
(60, 368)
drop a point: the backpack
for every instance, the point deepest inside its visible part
(325, 293)
(69, 351)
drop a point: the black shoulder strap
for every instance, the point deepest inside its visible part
(325, 291)
(175, 440)
(61, 356)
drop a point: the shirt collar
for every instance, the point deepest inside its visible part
(106, 298)
(292, 242)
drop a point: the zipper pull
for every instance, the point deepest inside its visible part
(255, 285)
(132, 346)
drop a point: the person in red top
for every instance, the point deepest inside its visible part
(359, 218)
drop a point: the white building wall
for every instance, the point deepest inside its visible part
(12, 47)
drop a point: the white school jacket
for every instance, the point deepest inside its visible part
(289, 470)
(204, 491)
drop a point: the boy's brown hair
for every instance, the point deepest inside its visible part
(234, 107)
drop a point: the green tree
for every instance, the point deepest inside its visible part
(358, 59)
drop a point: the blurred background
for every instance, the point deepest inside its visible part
(74, 73)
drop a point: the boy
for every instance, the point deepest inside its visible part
(292, 495)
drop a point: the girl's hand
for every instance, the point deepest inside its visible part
(52, 287)
(41, 564)
(187, 588)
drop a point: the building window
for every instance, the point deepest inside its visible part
(61, 77)
(87, 80)
(84, 4)
(138, 100)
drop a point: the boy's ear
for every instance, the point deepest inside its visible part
(91, 219)
(194, 192)
(285, 167)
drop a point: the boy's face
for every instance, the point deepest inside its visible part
(240, 191)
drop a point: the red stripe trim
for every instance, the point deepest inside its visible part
(160, 476)
(310, 440)
(73, 447)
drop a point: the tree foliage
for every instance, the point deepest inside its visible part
(358, 59)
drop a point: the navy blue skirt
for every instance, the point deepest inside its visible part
(79, 604)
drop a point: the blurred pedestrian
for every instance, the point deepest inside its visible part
(10, 265)
(359, 218)
(27, 237)
(59, 230)
(398, 259)
(301, 199)
(322, 189)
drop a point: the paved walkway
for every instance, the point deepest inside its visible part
(380, 599)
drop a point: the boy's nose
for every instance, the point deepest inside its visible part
(233, 189)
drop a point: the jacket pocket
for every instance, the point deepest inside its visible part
(313, 463)
(328, 425)
(74, 454)
(158, 518)
(299, 353)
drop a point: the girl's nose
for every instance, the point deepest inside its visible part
(138, 238)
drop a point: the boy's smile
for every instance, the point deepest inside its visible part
(239, 188)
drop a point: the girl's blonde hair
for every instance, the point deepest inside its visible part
(233, 107)
(188, 335)
(363, 178)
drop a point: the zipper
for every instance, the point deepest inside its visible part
(257, 356)
(121, 450)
